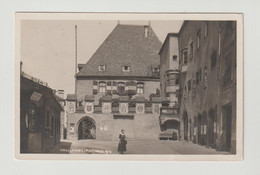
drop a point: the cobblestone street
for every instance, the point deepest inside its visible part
(133, 147)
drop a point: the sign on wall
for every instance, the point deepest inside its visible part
(36, 96)
(123, 108)
(106, 107)
(71, 107)
(140, 108)
(156, 108)
(89, 107)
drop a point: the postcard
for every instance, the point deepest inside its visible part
(129, 86)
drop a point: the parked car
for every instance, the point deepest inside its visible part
(169, 134)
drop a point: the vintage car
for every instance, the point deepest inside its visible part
(169, 134)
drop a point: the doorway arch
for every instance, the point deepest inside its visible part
(86, 128)
(204, 126)
(211, 121)
(185, 125)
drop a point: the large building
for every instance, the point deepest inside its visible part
(208, 83)
(120, 80)
(39, 116)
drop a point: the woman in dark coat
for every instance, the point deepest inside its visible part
(122, 142)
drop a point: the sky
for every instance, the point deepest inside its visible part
(48, 46)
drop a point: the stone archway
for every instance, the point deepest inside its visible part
(171, 124)
(86, 128)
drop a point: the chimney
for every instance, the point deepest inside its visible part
(146, 31)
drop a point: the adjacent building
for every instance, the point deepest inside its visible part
(39, 116)
(208, 83)
(169, 69)
(170, 82)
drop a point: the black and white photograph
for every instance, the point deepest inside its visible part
(129, 86)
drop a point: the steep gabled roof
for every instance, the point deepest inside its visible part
(125, 46)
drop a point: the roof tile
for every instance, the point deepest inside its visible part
(125, 46)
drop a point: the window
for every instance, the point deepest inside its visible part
(219, 41)
(205, 78)
(101, 68)
(126, 68)
(185, 56)
(140, 88)
(156, 69)
(58, 126)
(198, 76)
(193, 88)
(206, 27)
(177, 81)
(102, 87)
(198, 39)
(174, 57)
(227, 75)
(52, 125)
(80, 103)
(48, 119)
(189, 85)
(213, 59)
(121, 87)
(191, 50)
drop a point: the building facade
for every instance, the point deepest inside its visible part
(169, 82)
(63, 115)
(39, 116)
(115, 87)
(208, 83)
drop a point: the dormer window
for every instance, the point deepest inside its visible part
(101, 68)
(126, 68)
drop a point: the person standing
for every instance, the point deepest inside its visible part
(122, 142)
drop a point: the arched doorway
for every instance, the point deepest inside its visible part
(190, 131)
(171, 124)
(199, 129)
(195, 130)
(211, 137)
(204, 127)
(185, 125)
(86, 128)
